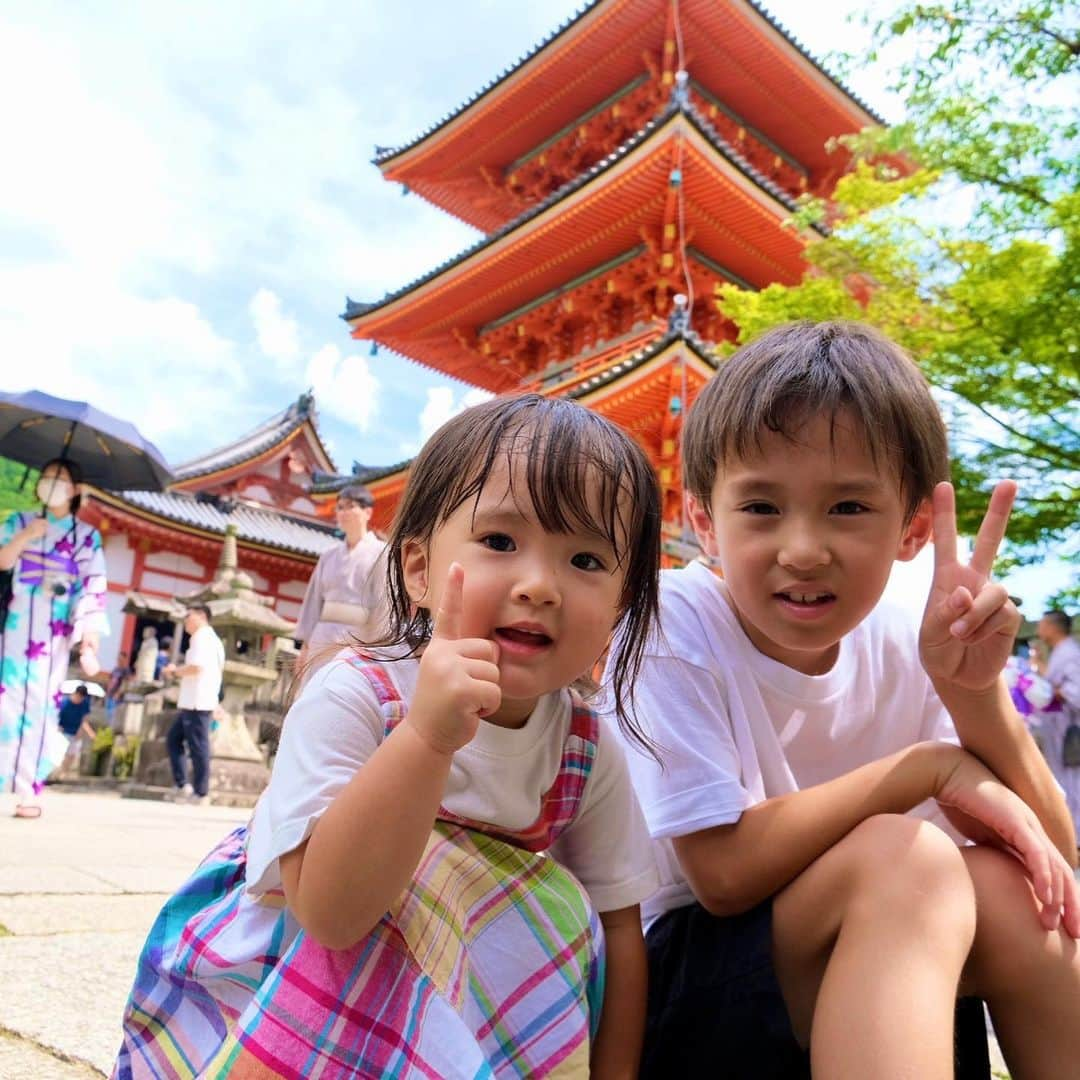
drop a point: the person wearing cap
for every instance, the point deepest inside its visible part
(200, 685)
(346, 596)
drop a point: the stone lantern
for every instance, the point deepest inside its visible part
(243, 620)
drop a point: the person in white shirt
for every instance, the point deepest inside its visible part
(805, 918)
(200, 685)
(346, 597)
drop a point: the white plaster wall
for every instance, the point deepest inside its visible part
(260, 583)
(152, 581)
(109, 649)
(287, 609)
(293, 589)
(119, 557)
(173, 562)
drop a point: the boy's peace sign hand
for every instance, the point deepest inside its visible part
(969, 623)
(459, 677)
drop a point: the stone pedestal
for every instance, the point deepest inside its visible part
(244, 621)
(138, 706)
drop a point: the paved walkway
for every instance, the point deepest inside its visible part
(78, 892)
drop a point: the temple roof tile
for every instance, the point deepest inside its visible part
(355, 309)
(642, 356)
(383, 155)
(330, 483)
(256, 442)
(267, 528)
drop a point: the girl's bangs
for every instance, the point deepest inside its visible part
(576, 476)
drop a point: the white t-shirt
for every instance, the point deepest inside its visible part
(200, 691)
(735, 727)
(337, 723)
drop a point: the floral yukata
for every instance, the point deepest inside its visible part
(58, 596)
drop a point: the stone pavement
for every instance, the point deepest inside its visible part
(78, 891)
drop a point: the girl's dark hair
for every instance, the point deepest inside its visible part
(580, 471)
(73, 470)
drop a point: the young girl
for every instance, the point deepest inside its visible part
(443, 877)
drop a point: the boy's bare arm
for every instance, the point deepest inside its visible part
(991, 729)
(733, 867)
(967, 635)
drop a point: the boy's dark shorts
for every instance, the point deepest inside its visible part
(715, 1007)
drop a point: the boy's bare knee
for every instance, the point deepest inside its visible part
(1012, 948)
(910, 869)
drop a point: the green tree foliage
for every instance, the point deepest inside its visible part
(958, 234)
(14, 496)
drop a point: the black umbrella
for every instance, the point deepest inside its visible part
(37, 427)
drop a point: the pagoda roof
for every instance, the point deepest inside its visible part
(331, 483)
(595, 217)
(735, 49)
(258, 442)
(639, 359)
(209, 516)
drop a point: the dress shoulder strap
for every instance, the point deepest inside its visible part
(393, 708)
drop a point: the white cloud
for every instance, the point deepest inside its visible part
(278, 335)
(345, 387)
(158, 362)
(441, 404)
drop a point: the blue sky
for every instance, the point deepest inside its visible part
(188, 198)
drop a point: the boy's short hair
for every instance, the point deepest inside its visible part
(1059, 619)
(793, 373)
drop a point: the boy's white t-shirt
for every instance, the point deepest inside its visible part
(500, 777)
(735, 727)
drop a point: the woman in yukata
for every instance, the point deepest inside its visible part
(56, 599)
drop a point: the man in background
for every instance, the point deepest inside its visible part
(200, 685)
(346, 596)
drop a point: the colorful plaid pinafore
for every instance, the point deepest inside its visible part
(489, 965)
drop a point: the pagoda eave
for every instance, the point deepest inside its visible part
(232, 471)
(740, 53)
(439, 321)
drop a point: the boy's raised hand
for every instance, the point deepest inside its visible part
(458, 682)
(970, 623)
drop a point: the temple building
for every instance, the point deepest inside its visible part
(162, 544)
(644, 153)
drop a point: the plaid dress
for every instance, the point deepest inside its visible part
(489, 965)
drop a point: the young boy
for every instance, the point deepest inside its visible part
(802, 905)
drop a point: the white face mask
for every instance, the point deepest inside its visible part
(54, 493)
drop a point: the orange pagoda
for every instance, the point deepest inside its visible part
(646, 152)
